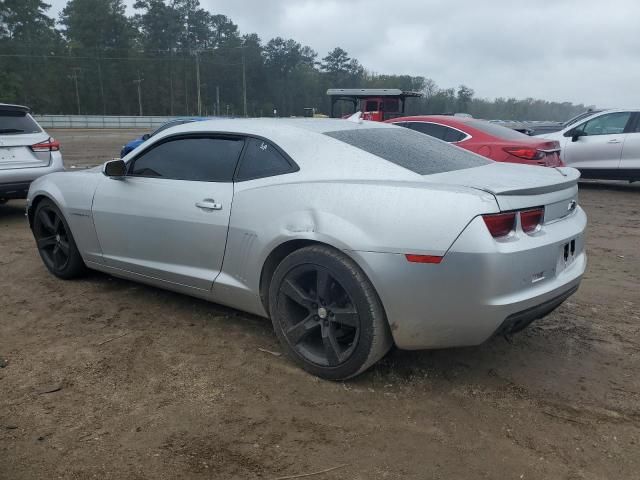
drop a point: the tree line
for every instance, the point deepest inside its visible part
(172, 57)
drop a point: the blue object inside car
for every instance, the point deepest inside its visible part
(133, 144)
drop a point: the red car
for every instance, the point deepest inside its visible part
(487, 139)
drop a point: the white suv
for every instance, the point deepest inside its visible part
(604, 145)
(26, 152)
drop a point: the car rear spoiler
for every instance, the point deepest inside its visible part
(14, 108)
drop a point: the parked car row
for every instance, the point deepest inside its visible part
(342, 279)
(602, 144)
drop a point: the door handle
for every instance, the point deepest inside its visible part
(209, 204)
(614, 140)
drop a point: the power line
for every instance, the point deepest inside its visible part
(133, 59)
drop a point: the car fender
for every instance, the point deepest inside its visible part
(72, 192)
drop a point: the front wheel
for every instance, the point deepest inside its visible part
(326, 313)
(55, 243)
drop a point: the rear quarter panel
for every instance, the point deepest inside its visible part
(373, 216)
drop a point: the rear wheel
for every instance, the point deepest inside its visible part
(327, 314)
(55, 243)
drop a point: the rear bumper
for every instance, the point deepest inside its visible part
(14, 183)
(519, 321)
(14, 190)
(481, 285)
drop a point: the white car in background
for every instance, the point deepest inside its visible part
(605, 145)
(26, 152)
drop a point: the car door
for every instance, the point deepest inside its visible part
(599, 142)
(630, 159)
(168, 217)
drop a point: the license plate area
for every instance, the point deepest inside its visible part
(7, 154)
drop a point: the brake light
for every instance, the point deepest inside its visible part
(500, 224)
(531, 219)
(50, 145)
(423, 258)
(526, 153)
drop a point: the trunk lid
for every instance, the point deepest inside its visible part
(517, 186)
(15, 151)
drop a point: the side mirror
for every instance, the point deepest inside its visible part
(146, 136)
(115, 169)
(575, 134)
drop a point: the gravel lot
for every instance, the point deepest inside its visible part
(105, 378)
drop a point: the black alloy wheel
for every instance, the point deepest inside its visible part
(321, 322)
(327, 314)
(55, 242)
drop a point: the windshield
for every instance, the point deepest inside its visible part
(17, 123)
(414, 151)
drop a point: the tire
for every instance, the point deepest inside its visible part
(55, 243)
(326, 313)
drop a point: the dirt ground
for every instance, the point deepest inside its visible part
(105, 378)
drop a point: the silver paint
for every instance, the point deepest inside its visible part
(152, 231)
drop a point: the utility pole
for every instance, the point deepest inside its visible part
(217, 112)
(244, 83)
(139, 82)
(74, 77)
(104, 103)
(198, 83)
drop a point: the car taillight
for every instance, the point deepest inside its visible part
(50, 145)
(531, 219)
(526, 153)
(500, 224)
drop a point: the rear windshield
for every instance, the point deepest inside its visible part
(414, 151)
(16, 123)
(495, 130)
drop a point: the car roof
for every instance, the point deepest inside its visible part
(320, 156)
(447, 119)
(267, 126)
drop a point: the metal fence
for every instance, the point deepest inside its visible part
(100, 121)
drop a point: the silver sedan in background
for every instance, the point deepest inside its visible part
(351, 236)
(26, 152)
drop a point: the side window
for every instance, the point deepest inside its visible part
(262, 159)
(371, 106)
(196, 159)
(610, 124)
(451, 135)
(431, 129)
(391, 105)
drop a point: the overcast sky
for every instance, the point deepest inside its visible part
(583, 51)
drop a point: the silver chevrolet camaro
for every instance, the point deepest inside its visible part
(351, 236)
